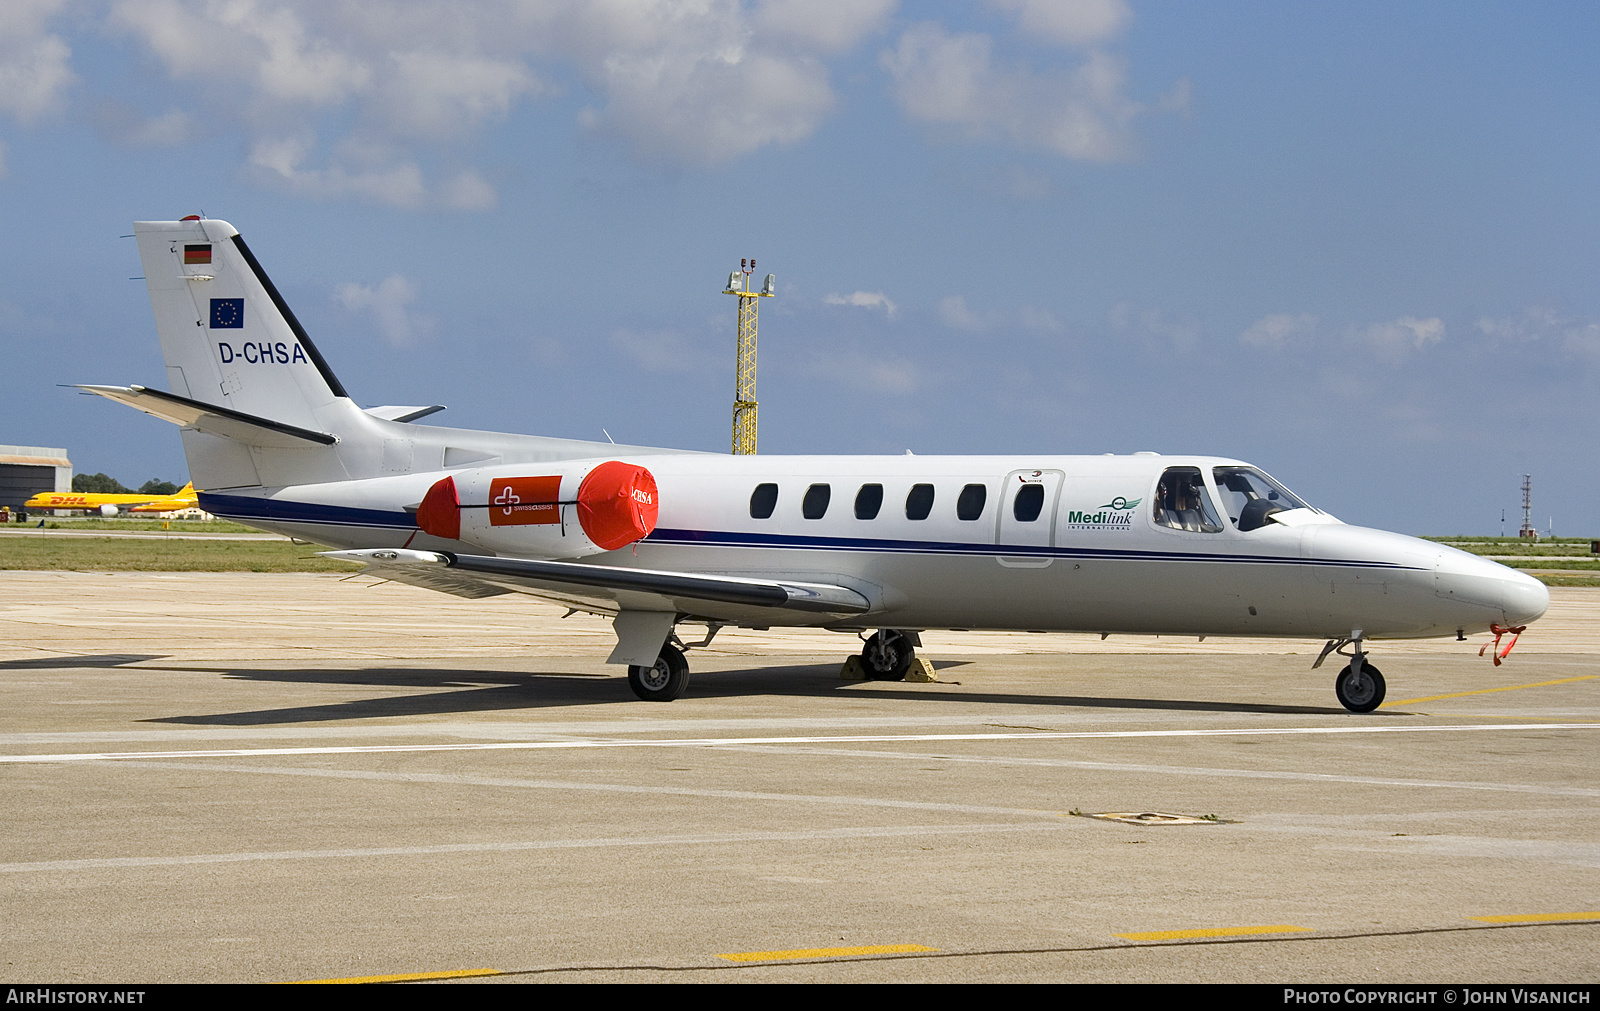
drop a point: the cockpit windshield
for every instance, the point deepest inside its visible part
(1251, 496)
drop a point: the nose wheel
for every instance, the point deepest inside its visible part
(887, 655)
(1360, 690)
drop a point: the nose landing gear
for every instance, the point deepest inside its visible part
(1360, 686)
(1359, 690)
(888, 654)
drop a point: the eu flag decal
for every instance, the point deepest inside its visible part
(227, 314)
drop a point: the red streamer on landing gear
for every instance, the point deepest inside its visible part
(1501, 654)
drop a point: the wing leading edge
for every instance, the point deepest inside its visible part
(606, 588)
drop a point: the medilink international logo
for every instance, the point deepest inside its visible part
(1116, 514)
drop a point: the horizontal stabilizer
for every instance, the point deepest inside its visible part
(605, 585)
(403, 414)
(213, 419)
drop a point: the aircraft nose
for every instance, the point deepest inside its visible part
(1517, 596)
(1523, 599)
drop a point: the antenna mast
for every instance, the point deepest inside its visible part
(745, 406)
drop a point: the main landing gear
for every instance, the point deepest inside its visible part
(888, 654)
(668, 678)
(1360, 686)
(663, 682)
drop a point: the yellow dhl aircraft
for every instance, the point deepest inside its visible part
(110, 505)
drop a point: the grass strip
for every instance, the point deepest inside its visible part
(117, 554)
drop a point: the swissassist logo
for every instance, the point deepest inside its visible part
(1113, 515)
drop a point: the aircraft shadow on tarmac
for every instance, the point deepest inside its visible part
(480, 692)
(73, 662)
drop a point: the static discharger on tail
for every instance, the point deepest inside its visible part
(884, 547)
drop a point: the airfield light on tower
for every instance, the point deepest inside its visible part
(1527, 509)
(744, 380)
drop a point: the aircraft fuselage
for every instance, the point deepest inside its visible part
(1096, 556)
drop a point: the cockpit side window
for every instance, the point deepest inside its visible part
(1251, 496)
(1181, 502)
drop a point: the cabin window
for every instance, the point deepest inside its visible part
(868, 501)
(763, 500)
(815, 504)
(1251, 496)
(969, 504)
(920, 502)
(1028, 503)
(1181, 502)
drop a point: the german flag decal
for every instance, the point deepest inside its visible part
(197, 253)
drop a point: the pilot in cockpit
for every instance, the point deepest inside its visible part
(1179, 501)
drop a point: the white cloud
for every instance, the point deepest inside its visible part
(436, 95)
(681, 82)
(864, 299)
(954, 313)
(388, 304)
(828, 26)
(1535, 322)
(1278, 329)
(1155, 328)
(264, 45)
(378, 96)
(952, 80)
(1070, 22)
(1584, 340)
(1033, 317)
(1398, 337)
(123, 124)
(700, 82)
(35, 70)
(467, 191)
(1540, 323)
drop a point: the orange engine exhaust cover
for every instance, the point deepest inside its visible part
(440, 512)
(617, 504)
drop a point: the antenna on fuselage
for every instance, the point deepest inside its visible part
(745, 406)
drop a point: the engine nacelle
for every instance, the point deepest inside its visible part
(545, 511)
(108, 510)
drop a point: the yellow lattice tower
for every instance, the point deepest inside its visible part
(745, 406)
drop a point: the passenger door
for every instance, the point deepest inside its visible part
(1027, 517)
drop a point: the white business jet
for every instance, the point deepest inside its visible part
(885, 547)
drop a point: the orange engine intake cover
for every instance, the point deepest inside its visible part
(617, 504)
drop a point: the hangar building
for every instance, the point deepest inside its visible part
(25, 471)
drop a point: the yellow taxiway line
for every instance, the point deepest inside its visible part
(1486, 691)
(1536, 917)
(1181, 935)
(777, 956)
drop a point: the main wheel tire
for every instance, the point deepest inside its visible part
(663, 682)
(1363, 695)
(887, 655)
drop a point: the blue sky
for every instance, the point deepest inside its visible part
(1356, 244)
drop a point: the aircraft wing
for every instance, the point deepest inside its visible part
(606, 588)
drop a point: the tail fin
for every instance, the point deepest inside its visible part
(227, 336)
